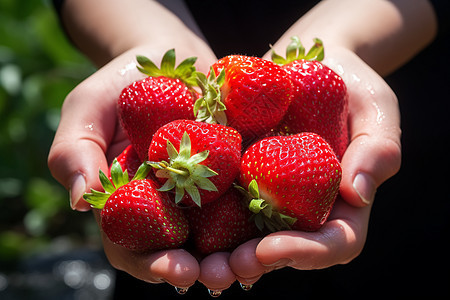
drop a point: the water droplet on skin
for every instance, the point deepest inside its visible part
(246, 287)
(340, 70)
(214, 293)
(356, 78)
(380, 114)
(128, 67)
(89, 126)
(181, 291)
(370, 89)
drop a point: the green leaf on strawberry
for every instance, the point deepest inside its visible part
(256, 92)
(135, 215)
(185, 71)
(264, 214)
(320, 101)
(296, 51)
(210, 108)
(119, 178)
(184, 172)
(298, 175)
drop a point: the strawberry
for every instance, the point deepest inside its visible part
(135, 215)
(129, 161)
(165, 95)
(298, 178)
(221, 225)
(320, 97)
(199, 158)
(251, 95)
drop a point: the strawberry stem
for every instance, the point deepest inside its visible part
(184, 172)
(118, 178)
(265, 216)
(210, 108)
(165, 166)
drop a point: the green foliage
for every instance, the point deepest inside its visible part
(38, 68)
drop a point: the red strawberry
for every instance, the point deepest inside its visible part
(129, 161)
(164, 96)
(320, 96)
(223, 224)
(298, 176)
(252, 95)
(135, 215)
(199, 158)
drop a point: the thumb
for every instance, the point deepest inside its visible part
(79, 147)
(75, 165)
(367, 163)
(374, 153)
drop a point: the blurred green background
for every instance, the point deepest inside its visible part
(38, 68)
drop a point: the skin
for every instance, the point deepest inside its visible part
(358, 46)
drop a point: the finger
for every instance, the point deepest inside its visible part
(339, 241)
(245, 264)
(367, 163)
(87, 133)
(374, 152)
(77, 173)
(78, 150)
(215, 272)
(176, 267)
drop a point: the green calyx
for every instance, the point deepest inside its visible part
(296, 51)
(210, 108)
(185, 71)
(184, 172)
(119, 178)
(264, 215)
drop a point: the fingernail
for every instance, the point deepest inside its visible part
(246, 287)
(76, 190)
(181, 291)
(364, 187)
(214, 293)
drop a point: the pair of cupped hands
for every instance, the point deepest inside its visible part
(89, 137)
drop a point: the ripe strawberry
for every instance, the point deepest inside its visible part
(320, 96)
(223, 224)
(187, 153)
(252, 95)
(129, 161)
(298, 177)
(164, 96)
(135, 215)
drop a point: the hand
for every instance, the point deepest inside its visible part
(89, 137)
(373, 156)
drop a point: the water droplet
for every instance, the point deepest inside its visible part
(380, 114)
(89, 126)
(181, 291)
(370, 89)
(214, 293)
(356, 78)
(246, 287)
(128, 67)
(340, 70)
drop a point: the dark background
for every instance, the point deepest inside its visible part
(44, 245)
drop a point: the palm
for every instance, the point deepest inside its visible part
(373, 152)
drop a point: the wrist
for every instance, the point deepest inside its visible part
(385, 34)
(105, 29)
